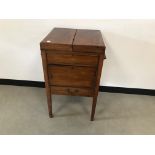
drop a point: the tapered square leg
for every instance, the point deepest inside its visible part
(93, 108)
(49, 101)
(48, 90)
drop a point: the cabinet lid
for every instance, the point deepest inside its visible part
(88, 41)
(78, 40)
(59, 39)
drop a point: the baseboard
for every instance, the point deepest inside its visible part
(110, 89)
(124, 90)
(26, 83)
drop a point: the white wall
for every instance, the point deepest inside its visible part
(130, 49)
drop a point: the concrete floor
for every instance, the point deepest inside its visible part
(23, 110)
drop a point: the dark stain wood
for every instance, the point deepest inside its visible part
(72, 91)
(71, 76)
(72, 63)
(59, 39)
(88, 41)
(48, 90)
(98, 76)
(72, 59)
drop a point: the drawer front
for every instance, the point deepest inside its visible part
(71, 91)
(71, 76)
(70, 59)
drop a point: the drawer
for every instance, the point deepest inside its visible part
(71, 91)
(72, 59)
(71, 76)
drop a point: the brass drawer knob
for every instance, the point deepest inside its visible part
(68, 90)
(72, 92)
(76, 91)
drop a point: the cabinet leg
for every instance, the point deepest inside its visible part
(49, 101)
(93, 108)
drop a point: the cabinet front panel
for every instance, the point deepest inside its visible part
(71, 76)
(71, 91)
(72, 59)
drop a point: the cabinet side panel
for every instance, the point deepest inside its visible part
(99, 71)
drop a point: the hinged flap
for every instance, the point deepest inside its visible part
(88, 41)
(59, 39)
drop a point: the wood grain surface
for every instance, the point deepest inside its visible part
(59, 39)
(72, 63)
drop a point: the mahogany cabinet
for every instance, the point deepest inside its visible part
(72, 63)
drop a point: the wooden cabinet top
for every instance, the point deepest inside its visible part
(65, 39)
